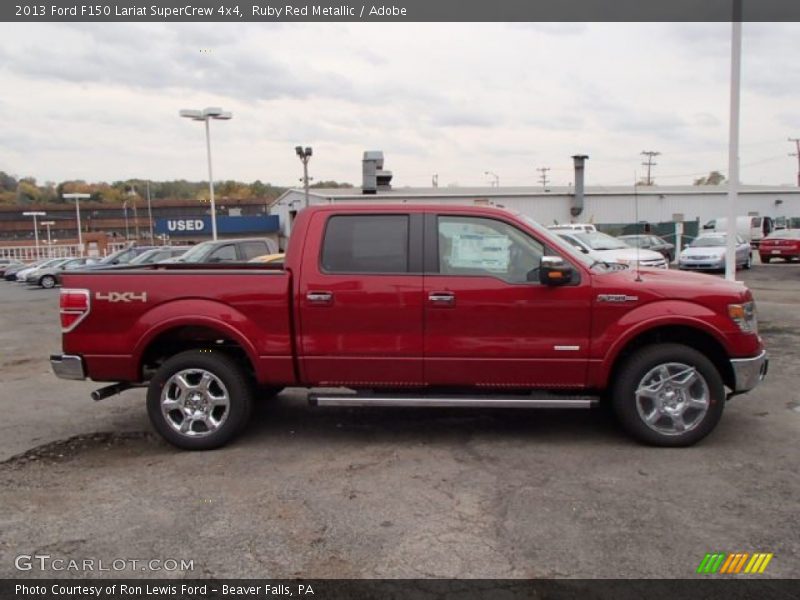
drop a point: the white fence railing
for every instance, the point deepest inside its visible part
(31, 253)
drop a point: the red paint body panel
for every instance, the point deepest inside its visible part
(382, 330)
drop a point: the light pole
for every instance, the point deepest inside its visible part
(304, 154)
(212, 112)
(495, 176)
(150, 214)
(77, 198)
(125, 214)
(49, 241)
(34, 214)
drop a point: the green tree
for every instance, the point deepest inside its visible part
(713, 178)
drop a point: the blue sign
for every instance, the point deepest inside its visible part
(201, 226)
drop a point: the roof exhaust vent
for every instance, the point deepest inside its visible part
(375, 179)
(577, 200)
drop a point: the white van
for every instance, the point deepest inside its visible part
(752, 229)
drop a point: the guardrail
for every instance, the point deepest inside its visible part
(32, 253)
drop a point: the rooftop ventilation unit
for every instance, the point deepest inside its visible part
(375, 179)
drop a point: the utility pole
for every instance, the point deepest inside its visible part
(543, 176)
(649, 164)
(797, 154)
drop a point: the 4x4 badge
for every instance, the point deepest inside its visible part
(121, 296)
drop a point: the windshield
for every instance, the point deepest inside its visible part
(147, 257)
(708, 241)
(194, 255)
(51, 263)
(634, 240)
(785, 234)
(599, 241)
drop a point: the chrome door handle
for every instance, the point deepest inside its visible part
(319, 297)
(442, 298)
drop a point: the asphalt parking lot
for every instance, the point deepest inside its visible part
(396, 493)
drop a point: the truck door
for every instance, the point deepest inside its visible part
(488, 320)
(360, 300)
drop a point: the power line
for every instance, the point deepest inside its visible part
(650, 154)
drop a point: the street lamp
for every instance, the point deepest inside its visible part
(304, 154)
(77, 198)
(496, 182)
(34, 214)
(212, 112)
(49, 241)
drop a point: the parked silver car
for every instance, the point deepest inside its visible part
(707, 253)
(49, 276)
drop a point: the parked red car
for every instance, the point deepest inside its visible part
(782, 243)
(404, 305)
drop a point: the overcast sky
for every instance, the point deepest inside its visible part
(100, 101)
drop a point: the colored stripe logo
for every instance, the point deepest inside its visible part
(734, 563)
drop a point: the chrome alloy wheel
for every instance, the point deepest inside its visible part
(672, 398)
(195, 402)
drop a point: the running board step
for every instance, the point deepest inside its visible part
(543, 400)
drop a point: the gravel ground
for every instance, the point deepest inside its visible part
(324, 492)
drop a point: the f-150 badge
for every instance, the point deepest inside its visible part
(121, 296)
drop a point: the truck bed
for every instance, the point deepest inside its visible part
(130, 308)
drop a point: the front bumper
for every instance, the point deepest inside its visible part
(701, 264)
(749, 372)
(67, 366)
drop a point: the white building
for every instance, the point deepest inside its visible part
(610, 206)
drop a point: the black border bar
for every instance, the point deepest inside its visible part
(242, 11)
(706, 588)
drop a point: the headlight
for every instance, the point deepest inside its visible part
(744, 315)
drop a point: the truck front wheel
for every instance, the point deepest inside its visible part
(668, 395)
(199, 399)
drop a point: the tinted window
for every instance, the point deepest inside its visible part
(225, 253)
(477, 246)
(253, 249)
(366, 244)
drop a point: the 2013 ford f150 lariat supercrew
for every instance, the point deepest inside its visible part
(401, 305)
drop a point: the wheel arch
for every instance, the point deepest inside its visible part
(684, 334)
(177, 335)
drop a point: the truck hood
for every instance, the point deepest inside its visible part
(660, 284)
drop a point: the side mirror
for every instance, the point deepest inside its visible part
(554, 270)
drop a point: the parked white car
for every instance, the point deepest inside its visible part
(609, 249)
(707, 253)
(588, 227)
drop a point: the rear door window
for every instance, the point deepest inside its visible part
(366, 244)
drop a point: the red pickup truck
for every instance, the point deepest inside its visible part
(403, 305)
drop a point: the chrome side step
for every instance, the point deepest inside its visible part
(543, 400)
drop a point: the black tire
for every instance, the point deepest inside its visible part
(47, 282)
(766, 259)
(236, 383)
(749, 262)
(632, 374)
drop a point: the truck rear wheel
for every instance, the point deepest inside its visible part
(199, 399)
(668, 395)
